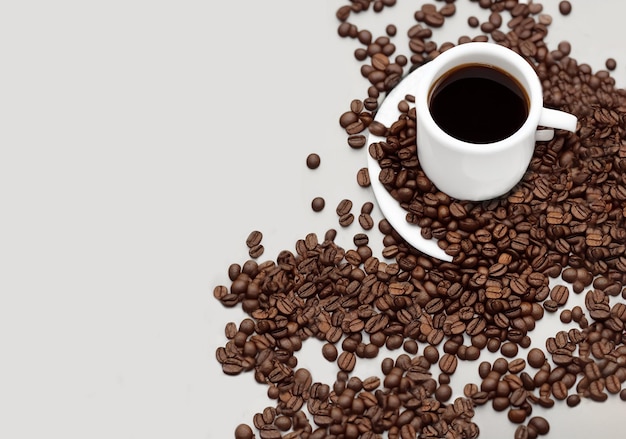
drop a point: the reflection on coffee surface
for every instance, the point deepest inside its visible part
(478, 103)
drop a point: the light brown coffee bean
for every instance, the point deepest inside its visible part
(448, 363)
(613, 384)
(559, 390)
(243, 431)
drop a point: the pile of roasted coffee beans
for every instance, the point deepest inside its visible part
(565, 220)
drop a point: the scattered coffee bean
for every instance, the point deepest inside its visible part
(611, 64)
(318, 204)
(366, 221)
(565, 7)
(313, 161)
(256, 251)
(243, 431)
(573, 400)
(344, 207)
(346, 219)
(363, 177)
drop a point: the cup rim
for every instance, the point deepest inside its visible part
(475, 52)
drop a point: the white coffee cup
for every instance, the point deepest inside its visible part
(460, 168)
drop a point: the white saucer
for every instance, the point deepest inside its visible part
(387, 114)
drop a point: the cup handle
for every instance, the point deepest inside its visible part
(544, 135)
(558, 119)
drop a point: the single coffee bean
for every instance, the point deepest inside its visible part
(536, 358)
(346, 361)
(517, 365)
(243, 431)
(565, 7)
(344, 207)
(346, 220)
(363, 178)
(613, 384)
(448, 363)
(366, 221)
(509, 349)
(443, 393)
(313, 161)
(596, 391)
(256, 251)
(411, 347)
(329, 351)
(500, 403)
(480, 398)
(318, 204)
(610, 64)
(517, 415)
(357, 141)
(559, 390)
(254, 238)
(573, 400)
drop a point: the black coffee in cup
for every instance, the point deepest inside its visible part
(478, 103)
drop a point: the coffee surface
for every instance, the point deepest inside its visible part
(478, 104)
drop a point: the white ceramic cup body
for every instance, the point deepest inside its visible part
(461, 169)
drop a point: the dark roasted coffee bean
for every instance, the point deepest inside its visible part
(509, 349)
(346, 220)
(540, 424)
(318, 204)
(366, 221)
(357, 141)
(254, 239)
(517, 415)
(573, 400)
(613, 384)
(535, 358)
(329, 351)
(517, 365)
(610, 64)
(344, 207)
(313, 161)
(256, 251)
